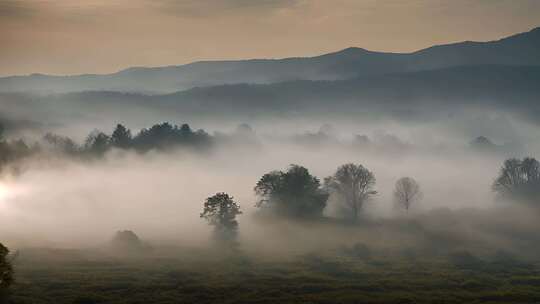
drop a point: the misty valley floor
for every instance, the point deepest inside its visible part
(72, 276)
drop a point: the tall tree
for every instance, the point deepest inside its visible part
(121, 137)
(294, 192)
(407, 192)
(355, 185)
(519, 180)
(220, 210)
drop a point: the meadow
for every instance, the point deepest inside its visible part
(177, 275)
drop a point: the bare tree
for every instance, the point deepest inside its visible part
(407, 192)
(354, 183)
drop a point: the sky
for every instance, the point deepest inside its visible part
(102, 36)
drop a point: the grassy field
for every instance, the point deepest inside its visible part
(72, 276)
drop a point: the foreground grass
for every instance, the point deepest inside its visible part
(45, 276)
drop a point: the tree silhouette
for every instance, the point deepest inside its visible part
(165, 135)
(407, 192)
(121, 137)
(128, 242)
(12, 151)
(185, 130)
(156, 137)
(293, 193)
(354, 184)
(62, 144)
(6, 272)
(220, 210)
(97, 143)
(519, 180)
(160, 137)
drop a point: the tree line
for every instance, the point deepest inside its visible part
(296, 193)
(161, 136)
(11, 151)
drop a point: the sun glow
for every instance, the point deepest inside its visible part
(4, 192)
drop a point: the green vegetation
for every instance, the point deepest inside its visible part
(198, 276)
(160, 136)
(6, 272)
(220, 210)
(163, 136)
(294, 193)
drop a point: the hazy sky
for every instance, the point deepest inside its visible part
(100, 36)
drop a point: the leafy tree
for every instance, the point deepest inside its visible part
(61, 143)
(185, 130)
(407, 192)
(519, 180)
(165, 135)
(157, 136)
(13, 151)
(293, 193)
(97, 143)
(220, 210)
(6, 272)
(121, 137)
(354, 183)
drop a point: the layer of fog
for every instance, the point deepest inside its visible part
(426, 123)
(63, 203)
(58, 202)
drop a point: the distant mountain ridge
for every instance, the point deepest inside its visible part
(423, 95)
(517, 50)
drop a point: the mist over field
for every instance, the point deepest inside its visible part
(57, 201)
(351, 176)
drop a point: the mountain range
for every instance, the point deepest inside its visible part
(352, 63)
(457, 82)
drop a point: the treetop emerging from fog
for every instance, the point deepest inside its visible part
(294, 192)
(159, 136)
(519, 180)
